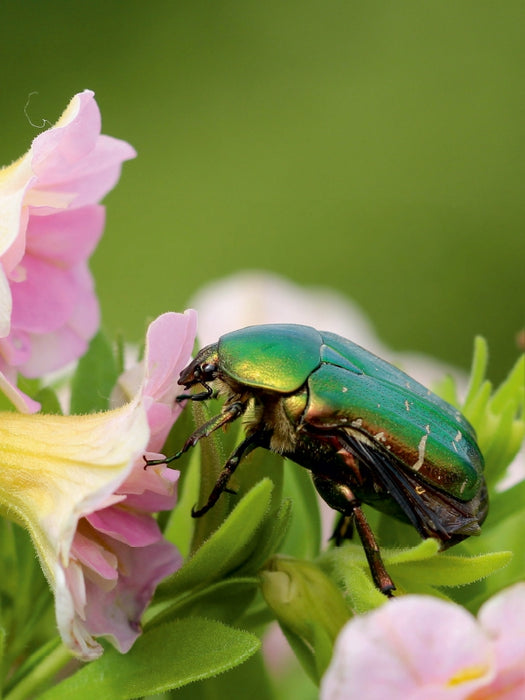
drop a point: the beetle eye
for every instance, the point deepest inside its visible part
(209, 369)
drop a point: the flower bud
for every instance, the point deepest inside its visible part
(309, 607)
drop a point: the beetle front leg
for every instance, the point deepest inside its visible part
(232, 412)
(258, 439)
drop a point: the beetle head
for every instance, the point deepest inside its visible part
(201, 370)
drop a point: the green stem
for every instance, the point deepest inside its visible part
(40, 674)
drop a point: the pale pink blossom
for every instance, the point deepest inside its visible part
(50, 223)
(120, 548)
(423, 648)
(169, 344)
(78, 484)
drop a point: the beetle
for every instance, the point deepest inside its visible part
(367, 431)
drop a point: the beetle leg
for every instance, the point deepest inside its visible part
(380, 575)
(232, 412)
(344, 530)
(342, 497)
(257, 439)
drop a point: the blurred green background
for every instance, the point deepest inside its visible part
(374, 147)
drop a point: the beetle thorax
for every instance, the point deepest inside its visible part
(263, 411)
(270, 415)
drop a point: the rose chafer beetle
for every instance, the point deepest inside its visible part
(367, 431)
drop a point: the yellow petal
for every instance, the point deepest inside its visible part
(55, 469)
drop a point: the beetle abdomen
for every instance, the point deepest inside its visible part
(411, 429)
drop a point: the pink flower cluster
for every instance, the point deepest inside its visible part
(423, 648)
(50, 223)
(101, 547)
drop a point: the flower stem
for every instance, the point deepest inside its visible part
(40, 674)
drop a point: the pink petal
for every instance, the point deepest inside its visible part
(82, 183)
(117, 613)
(414, 646)
(95, 556)
(67, 237)
(16, 348)
(130, 527)
(71, 139)
(169, 344)
(503, 617)
(52, 351)
(76, 586)
(14, 218)
(20, 401)
(152, 489)
(160, 419)
(45, 300)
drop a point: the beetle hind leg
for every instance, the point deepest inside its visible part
(344, 529)
(380, 575)
(342, 498)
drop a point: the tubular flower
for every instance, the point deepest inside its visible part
(77, 483)
(50, 223)
(55, 472)
(423, 648)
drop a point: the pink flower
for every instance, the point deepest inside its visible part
(118, 554)
(424, 648)
(50, 223)
(77, 483)
(169, 344)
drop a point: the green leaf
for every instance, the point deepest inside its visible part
(269, 538)
(48, 401)
(227, 548)
(225, 601)
(505, 504)
(213, 457)
(167, 657)
(348, 567)
(249, 680)
(447, 570)
(478, 370)
(498, 416)
(304, 537)
(180, 525)
(419, 569)
(94, 378)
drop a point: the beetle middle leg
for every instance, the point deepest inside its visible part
(257, 439)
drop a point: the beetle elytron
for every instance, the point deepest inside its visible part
(367, 431)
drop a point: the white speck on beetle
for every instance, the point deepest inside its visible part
(458, 436)
(344, 389)
(407, 405)
(421, 453)
(357, 423)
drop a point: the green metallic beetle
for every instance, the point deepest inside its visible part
(367, 431)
